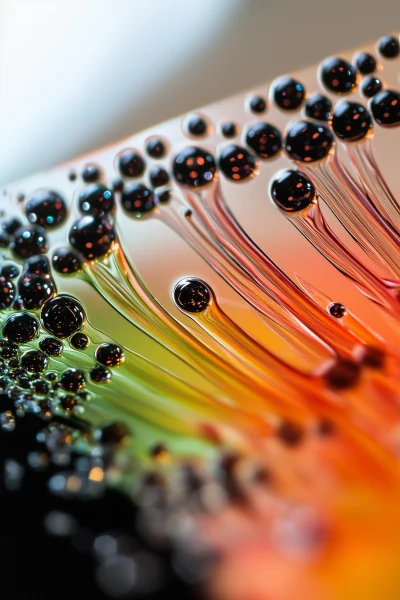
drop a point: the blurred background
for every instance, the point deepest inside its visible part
(79, 74)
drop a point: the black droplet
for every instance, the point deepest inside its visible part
(28, 241)
(35, 290)
(91, 173)
(337, 310)
(155, 148)
(7, 293)
(113, 434)
(100, 374)
(236, 163)
(46, 208)
(51, 376)
(131, 164)
(318, 107)
(292, 191)
(92, 237)
(158, 177)
(62, 316)
(228, 129)
(80, 341)
(365, 63)
(194, 167)
(37, 265)
(288, 93)
(338, 75)
(343, 374)
(257, 104)
(192, 295)
(118, 184)
(373, 357)
(9, 351)
(9, 270)
(96, 200)
(389, 46)
(371, 86)
(385, 108)
(137, 199)
(72, 176)
(351, 121)
(308, 142)
(11, 225)
(66, 262)
(109, 355)
(51, 346)
(164, 196)
(290, 433)
(196, 125)
(40, 387)
(68, 402)
(34, 361)
(265, 139)
(72, 380)
(20, 328)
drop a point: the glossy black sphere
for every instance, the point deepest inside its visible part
(308, 142)
(62, 316)
(131, 163)
(264, 139)
(92, 237)
(292, 191)
(20, 328)
(28, 241)
(228, 129)
(109, 355)
(9, 270)
(237, 163)
(37, 265)
(137, 199)
(192, 295)
(365, 63)
(73, 380)
(338, 75)
(91, 173)
(46, 208)
(155, 148)
(385, 108)
(288, 93)
(114, 433)
(66, 262)
(196, 125)
(257, 104)
(337, 310)
(79, 341)
(318, 107)
(164, 196)
(96, 200)
(35, 290)
(370, 86)
(34, 361)
(100, 374)
(51, 346)
(11, 225)
(158, 177)
(389, 46)
(7, 293)
(194, 167)
(351, 121)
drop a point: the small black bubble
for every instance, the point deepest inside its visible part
(288, 93)
(343, 374)
(131, 164)
(385, 108)
(118, 185)
(79, 341)
(365, 63)
(34, 361)
(264, 139)
(113, 434)
(194, 167)
(351, 121)
(308, 142)
(292, 191)
(9, 351)
(96, 200)
(62, 316)
(155, 148)
(11, 225)
(51, 346)
(192, 295)
(229, 129)
(99, 374)
(338, 75)
(92, 237)
(35, 290)
(46, 208)
(66, 262)
(68, 402)
(109, 355)
(91, 173)
(137, 199)
(237, 163)
(7, 293)
(389, 46)
(371, 86)
(40, 387)
(337, 310)
(373, 357)
(73, 380)
(37, 265)
(51, 376)
(318, 107)
(72, 176)
(164, 196)
(257, 104)
(29, 241)
(290, 433)
(196, 125)
(158, 177)
(21, 328)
